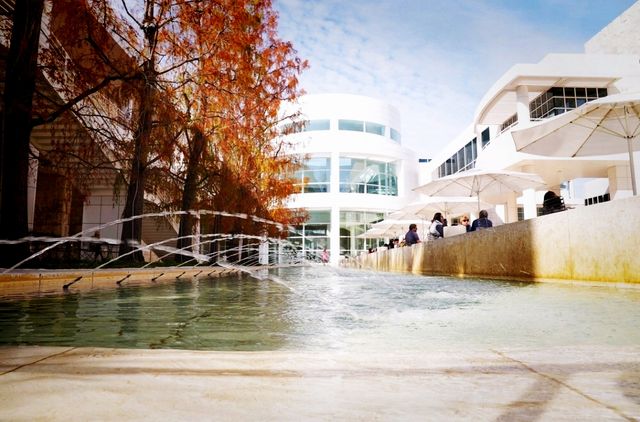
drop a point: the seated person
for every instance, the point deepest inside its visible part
(552, 203)
(411, 238)
(436, 229)
(464, 220)
(482, 222)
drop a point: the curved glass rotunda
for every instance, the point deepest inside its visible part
(356, 171)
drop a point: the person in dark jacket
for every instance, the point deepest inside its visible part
(482, 222)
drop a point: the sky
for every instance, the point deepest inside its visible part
(432, 59)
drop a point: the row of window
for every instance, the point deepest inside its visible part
(357, 175)
(556, 101)
(597, 199)
(350, 125)
(465, 158)
(314, 234)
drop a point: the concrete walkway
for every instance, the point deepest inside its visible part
(83, 384)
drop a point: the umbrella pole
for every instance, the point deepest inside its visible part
(631, 165)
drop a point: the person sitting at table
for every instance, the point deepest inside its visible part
(411, 238)
(552, 203)
(436, 229)
(482, 222)
(464, 221)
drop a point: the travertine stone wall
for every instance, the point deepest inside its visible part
(621, 36)
(599, 243)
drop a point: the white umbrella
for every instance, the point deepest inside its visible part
(424, 210)
(608, 125)
(397, 228)
(373, 233)
(475, 182)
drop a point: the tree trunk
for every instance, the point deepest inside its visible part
(19, 86)
(132, 231)
(189, 194)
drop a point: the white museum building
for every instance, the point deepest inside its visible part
(536, 97)
(355, 172)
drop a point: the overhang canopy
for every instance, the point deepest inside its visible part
(555, 70)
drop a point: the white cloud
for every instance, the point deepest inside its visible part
(433, 60)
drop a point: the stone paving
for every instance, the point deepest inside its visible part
(596, 383)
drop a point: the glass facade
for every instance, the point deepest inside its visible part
(343, 124)
(558, 100)
(321, 124)
(359, 175)
(313, 235)
(462, 160)
(352, 225)
(555, 101)
(395, 135)
(362, 126)
(353, 125)
(315, 176)
(374, 128)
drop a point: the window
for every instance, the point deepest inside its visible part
(313, 235)
(558, 100)
(353, 224)
(359, 175)
(469, 155)
(375, 128)
(354, 125)
(395, 135)
(463, 159)
(507, 124)
(454, 163)
(486, 137)
(315, 176)
(322, 124)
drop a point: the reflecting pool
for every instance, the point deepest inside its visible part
(324, 308)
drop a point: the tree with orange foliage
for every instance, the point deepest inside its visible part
(232, 95)
(198, 85)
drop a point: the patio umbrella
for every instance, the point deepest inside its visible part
(424, 210)
(608, 125)
(372, 234)
(487, 183)
(395, 228)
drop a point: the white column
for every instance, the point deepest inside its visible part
(511, 209)
(281, 252)
(478, 133)
(263, 251)
(529, 197)
(522, 104)
(529, 204)
(334, 236)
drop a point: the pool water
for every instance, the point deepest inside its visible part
(325, 308)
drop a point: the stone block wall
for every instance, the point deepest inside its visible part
(621, 36)
(598, 243)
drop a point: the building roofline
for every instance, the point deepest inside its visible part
(554, 70)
